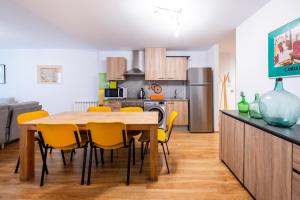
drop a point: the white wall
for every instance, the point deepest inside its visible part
(79, 76)
(213, 61)
(227, 56)
(252, 48)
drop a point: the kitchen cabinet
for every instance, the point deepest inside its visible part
(296, 186)
(181, 106)
(116, 67)
(296, 157)
(175, 68)
(268, 165)
(232, 145)
(155, 61)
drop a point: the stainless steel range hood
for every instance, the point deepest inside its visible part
(137, 64)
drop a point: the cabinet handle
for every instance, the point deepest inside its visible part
(170, 78)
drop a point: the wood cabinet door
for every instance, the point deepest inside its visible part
(175, 68)
(116, 67)
(182, 108)
(155, 61)
(232, 145)
(296, 186)
(268, 165)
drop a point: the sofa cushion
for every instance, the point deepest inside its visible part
(23, 105)
(7, 101)
(19, 105)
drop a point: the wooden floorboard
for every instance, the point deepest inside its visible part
(196, 173)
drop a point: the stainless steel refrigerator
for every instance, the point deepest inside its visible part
(200, 94)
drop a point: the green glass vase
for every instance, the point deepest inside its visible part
(254, 108)
(280, 107)
(243, 105)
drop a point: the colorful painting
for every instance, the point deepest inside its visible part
(284, 50)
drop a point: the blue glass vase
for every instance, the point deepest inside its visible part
(279, 107)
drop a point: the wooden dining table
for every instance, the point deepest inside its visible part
(146, 121)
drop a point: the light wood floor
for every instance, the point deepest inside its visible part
(196, 173)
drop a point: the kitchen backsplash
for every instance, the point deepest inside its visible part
(134, 84)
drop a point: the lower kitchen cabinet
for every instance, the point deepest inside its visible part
(296, 186)
(181, 107)
(232, 145)
(268, 165)
(264, 163)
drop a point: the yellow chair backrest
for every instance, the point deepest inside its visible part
(109, 135)
(99, 109)
(29, 116)
(171, 120)
(131, 109)
(59, 136)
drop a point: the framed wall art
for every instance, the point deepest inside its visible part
(49, 74)
(2, 74)
(284, 50)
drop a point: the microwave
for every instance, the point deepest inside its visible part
(115, 93)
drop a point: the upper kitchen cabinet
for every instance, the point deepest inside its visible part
(116, 67)
(155, 61)
(175, 68)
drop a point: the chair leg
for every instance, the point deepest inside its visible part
(71, 158)
(111, 155)
(63, 157)
(165, 157)
(133, 151)
(17, 166)
(167, 148)
(83, 165)
(128, 164)
(143, 157)
(42, 154)
(102, 155)
(146, 149)
(44, 166)
(96, 157)
(90, 165)
(142, 149)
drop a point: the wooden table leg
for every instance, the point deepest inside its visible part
(26, 153)
(153, 153)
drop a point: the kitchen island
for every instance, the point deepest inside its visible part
(264, 158)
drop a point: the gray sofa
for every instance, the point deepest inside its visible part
(9, 110)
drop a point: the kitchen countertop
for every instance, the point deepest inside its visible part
(291, 134)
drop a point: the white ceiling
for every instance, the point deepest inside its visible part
(125, 24)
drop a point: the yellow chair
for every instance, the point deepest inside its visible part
(131, 109)
(108, 136)
(133, 133)
(62, 137)
(99, 109)
(26, 117)
(162, 137)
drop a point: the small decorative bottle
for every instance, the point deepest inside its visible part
(243, 105)
(254, 108)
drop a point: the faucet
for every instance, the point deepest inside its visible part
(175, 94)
